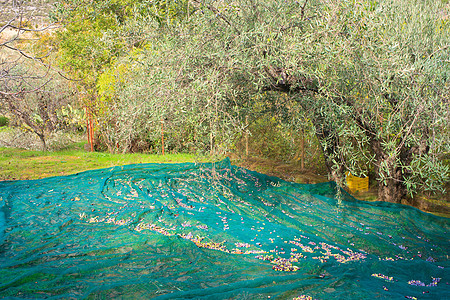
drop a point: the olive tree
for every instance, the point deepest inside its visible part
(148, 99)
(373, 77)
(94, 39)
(370, 76)
(382, 74)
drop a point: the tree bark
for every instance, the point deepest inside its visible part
(330, 149)
(44, 144)
(24, 115)
(391, 188)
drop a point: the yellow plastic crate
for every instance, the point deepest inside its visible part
(356, 184)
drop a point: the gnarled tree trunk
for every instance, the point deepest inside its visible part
(391, 187)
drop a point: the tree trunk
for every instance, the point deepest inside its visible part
(246, 135)
(42, 138)
(330, 151)
(391, 188)
(392, 191)
(302, 148)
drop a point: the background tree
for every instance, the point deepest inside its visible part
(97, 33)
(15, 31)
(32, 91)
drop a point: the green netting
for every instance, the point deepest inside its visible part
(212, 231)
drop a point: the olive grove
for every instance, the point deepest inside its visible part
(369, 78)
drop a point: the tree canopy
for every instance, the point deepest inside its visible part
(369, 79)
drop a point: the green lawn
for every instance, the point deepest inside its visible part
(24, 164)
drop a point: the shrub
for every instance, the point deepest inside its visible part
(4, 121)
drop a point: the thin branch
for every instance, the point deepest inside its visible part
(28, 91)
(6, 25)
(30, 30)
(302, 12)
(218, 14)
(23, 53)
(440, 49)
(68, 78)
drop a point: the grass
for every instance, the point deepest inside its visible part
(18, 164)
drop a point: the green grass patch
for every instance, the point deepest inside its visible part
(6, 129)
(18, 164)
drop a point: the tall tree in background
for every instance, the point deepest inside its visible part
(87, 44)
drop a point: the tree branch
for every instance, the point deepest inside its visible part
(218, 14)
(440, 49)
(283, 82)
(302, 12)
(29, 29)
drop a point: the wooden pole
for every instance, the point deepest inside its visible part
(211, 140)
(162, 135)
(246, 135)
(302, 147)
(92, 132)
(88, 129)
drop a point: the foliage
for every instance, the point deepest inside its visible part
(4, 121)
(368, 78)
(71, 118)
(82, 49)
(94, 46)
(385, 74)
(371, 76)
(96, 33)
(145, 95)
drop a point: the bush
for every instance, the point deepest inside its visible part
(4, 121)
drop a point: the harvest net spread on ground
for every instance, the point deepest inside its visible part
(180, 231)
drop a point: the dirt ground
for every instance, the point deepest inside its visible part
(436, 204)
